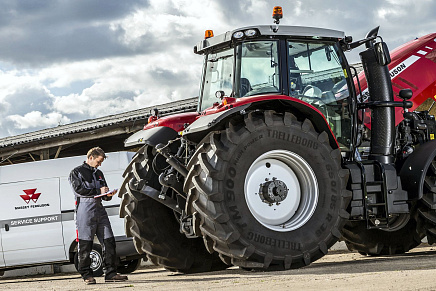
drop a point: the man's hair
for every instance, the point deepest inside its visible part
(96, 152)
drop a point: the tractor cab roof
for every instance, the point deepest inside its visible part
(254, 32)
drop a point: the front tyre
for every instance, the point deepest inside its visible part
(268, 193)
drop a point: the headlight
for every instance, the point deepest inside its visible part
(250, 32)
(238, 34)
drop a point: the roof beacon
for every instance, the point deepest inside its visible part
(208, 33)
(277, 15)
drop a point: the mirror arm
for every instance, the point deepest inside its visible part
(358, 43)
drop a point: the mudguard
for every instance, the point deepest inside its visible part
(415, 168)
(207, 122)
(152, 136)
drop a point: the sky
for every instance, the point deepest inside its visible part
(64, 61)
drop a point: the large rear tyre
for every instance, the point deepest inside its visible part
(154, 227)
(268, 193)
(375, 242)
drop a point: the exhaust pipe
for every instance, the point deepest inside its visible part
(382, 118)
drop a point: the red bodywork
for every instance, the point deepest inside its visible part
(177, 122)
(229, 102)
(413, 66)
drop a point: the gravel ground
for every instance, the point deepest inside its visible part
(338, 270)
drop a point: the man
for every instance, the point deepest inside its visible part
(91, 217)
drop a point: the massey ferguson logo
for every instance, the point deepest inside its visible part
(30, 195)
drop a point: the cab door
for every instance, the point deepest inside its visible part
(31, 227)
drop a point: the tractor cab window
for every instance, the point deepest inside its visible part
(316, 76)
(218, 77)
(258, 68)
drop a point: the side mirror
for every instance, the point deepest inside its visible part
(405, 94)
(382, 53)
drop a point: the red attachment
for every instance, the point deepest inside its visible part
(152, 118)
(413, 66)
(176, 122)
(228, 100)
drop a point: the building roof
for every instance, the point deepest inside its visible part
(86, 125)
(122, 125)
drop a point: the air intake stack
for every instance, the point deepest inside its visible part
(380, 90)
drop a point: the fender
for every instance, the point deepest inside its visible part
(415, 168)
(216, 121)
(203, 125)
(152, 136)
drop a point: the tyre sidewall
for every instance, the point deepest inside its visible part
(317, 155)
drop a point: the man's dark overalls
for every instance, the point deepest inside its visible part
(92, 219)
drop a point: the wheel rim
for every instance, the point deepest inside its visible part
(96, 260)
(291, 201)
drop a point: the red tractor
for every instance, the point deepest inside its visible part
(288, 153)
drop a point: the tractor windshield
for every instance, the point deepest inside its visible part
(218, 77)
(258, 64)
(317, 77)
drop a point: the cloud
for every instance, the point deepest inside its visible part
(37, 120)
(36, 33)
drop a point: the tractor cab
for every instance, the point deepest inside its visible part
(291, 63)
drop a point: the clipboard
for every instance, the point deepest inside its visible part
(104, 194)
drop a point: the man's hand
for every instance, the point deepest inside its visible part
(104, 190)
(113, 193)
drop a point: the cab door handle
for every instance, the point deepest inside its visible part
(7, 227)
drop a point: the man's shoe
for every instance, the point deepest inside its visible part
(89, 281)
(116, 278)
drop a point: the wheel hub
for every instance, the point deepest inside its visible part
(274, 191)
(281, 190)
(95, 260)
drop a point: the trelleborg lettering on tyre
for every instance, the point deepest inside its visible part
(317, 155)
(293, 138)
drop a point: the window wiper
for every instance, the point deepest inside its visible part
(223, 57)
